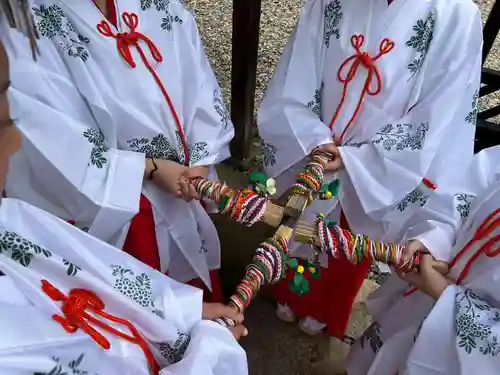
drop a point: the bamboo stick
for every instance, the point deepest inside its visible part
(307, 233)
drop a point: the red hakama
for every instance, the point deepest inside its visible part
(331, 297)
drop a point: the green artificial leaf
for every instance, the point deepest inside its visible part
(293, 263)
(334, 187)
(223, 203)
(257, 178)
(316, 275)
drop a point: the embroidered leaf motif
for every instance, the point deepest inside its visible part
(473, 324)
(163, 6)
(20, 249)
(138, 288)
(372, 336)
(221, 109)
(72, 269)
(415, 196)
(157, 148)
(315, 104)
(398, 137)
(98, 154)
(471, 118)
(333, 16)
(402, 136)
(267, 156)
(203, 248)
(420, 41)
(53, 23)
(175, 352)
(465, 201)
(197, 151)
(72, 368)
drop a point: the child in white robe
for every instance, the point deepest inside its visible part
(451, 325)
(390, 89)
(70, 303)
(121, 106)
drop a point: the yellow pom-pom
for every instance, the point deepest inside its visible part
(312, 270)
(328, 194)
(300, 269)
(321, 214)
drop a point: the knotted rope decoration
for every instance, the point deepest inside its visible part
(311, 179)
(334, 240)
(267, 267)
(241, 205)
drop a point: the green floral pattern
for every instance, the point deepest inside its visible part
(473, 324)
(315, 104)
(72, 269)
(416, 196)
(52, 23)
(220, 108)
(138, 288)
(72, 368)
(471, 118)
(333, 16)
(98, 155)
(399, 137)
(267, 155)
(420, 41)
(203, 248)
(175, 352)
(372, 336)
(160, 148)
(163, 6)
(464, 202)
(20, 249)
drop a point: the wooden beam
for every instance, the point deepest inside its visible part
(491, 29)
(246, 23)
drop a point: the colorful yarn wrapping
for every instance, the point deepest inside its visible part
(356, 247)
(311, 179)
(267, 267)
(241, 205)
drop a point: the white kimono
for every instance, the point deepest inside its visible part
(88, 120)
(36, 246)
(421, 122)
(459, 333)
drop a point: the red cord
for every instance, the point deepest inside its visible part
(491, 248)
(132, 38)
(75, 307)
(360, 58)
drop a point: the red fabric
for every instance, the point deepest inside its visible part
(111, 17)
(141, 244)
(332, 296)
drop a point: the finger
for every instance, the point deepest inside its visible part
(336, 141)
(193, 193)
(334, 165)
(228, 312)
(184, 185)
(238, 331)
(426, 262)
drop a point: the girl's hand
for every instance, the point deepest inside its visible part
(213, 311)
(427, 279)
(167, 176)
(187, 191)
(337, 163)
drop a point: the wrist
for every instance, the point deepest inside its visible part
(149, 169)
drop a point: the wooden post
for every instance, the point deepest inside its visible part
(246, 23)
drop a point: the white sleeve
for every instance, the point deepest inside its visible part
(438, 222)
(65, 165)
(210, 129)
(287, 120)
(437, 131)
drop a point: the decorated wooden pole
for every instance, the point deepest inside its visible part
(242, 205)
(327, 237)
(309, 184)
(268, 266)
